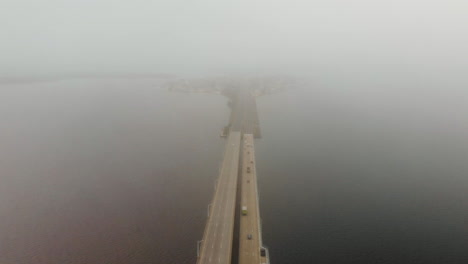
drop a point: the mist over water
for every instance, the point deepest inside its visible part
(366, 161)
(365, 172)
(105, 171)
(121, 171)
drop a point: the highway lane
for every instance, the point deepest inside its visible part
(244, 115)
(249, 249)
(217, 239)
(250, 123)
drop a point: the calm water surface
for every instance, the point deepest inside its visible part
(105, 171)
(373, 173)
(121, 171)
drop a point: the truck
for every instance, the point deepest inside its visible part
(244, 210)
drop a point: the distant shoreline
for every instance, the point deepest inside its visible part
(32, 79)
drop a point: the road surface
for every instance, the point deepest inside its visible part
(244, 116)
(249, 249)
(216, 245)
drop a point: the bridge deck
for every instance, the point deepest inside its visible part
(249, 249)
(216, 246)
(244, 114)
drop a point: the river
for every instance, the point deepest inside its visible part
(121, 171)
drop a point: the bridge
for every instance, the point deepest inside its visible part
(251, 248)
(233, 228)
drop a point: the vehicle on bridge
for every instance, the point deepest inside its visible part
(244, 210)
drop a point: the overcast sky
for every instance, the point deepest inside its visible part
(203, 36)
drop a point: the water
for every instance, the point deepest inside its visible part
(376, 173)
(105, 171)
(121, 171)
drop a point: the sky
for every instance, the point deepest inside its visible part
(218, 36)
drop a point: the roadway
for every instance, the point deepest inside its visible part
(216, 246)
(244, 115)
(250, 118)
(249, 249)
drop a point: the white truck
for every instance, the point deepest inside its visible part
(244, 210)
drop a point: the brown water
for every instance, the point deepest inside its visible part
(105, 171)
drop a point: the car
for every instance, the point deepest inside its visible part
(249, 236)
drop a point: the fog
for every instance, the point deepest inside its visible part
(219, 37)
(364, 162)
